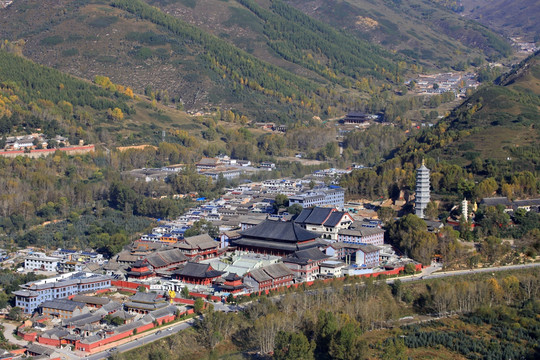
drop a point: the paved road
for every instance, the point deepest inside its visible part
(8, 333)
(436, 275)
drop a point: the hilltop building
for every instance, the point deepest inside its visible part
(422, 190)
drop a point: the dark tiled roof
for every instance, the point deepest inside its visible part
(232, 277)
(145, 306)
(530, 202)
(304, 257)
(494, 201)
(156, 261)
(279, 230)
(198, 270)
(148, 298)
(316, 215)
(40, 350)
(172, 256)
(62, 304)
(334, 218)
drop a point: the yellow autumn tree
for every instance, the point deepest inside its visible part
(115, 114)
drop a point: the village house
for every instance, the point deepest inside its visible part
(332, 268)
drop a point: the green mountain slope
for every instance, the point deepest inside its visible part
(423, 30)
(144, 47)
(499, 123)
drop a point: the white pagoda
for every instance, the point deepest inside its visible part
(422, 190)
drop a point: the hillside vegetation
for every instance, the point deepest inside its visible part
(424, 31)
(500, 122)
(146, 48)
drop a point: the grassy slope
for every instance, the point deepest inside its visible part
(421, 29)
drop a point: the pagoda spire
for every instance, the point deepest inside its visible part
(422, 190)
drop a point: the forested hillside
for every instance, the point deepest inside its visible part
(147, 49)
(422, 30)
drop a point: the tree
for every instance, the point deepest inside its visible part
(386, 213)
(198, 306)
(141, 288)
(346, 344)
(15, 313)
(292, 346)
(394, 349)
(280, 201)
(185, 292)
(115, 114)
(295, 209)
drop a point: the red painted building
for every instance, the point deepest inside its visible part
(232, 284)
(196, 273)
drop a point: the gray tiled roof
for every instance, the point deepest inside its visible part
(149, 298)
(198, 270)
(83, 319)
(304, 257)
(94, 300)
(62, 304)
(203, 242)
(369, 248)
(169, 310)
(38, 349)
(361, 231)
(269, 272)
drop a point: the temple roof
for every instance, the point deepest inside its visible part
(283, 231)
(273, 271)
(198, 270)
(304, 257)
